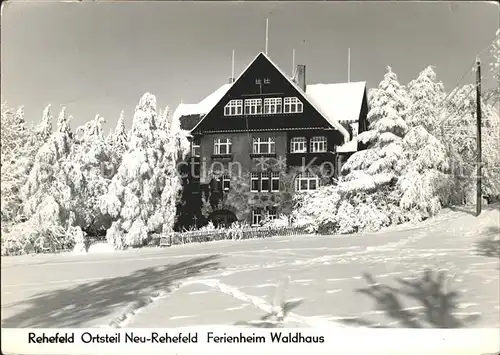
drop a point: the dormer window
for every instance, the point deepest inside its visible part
(272, 105)
(253, 106)
(293, 105)
(234, 108)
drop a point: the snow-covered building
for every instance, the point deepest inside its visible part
(253, 136)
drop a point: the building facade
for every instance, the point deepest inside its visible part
(264, 137)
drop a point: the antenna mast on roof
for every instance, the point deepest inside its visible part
(232, 69)
(293, 63)
(349, 65)
(267, 33)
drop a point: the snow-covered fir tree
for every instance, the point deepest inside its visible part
(495, 67)
(14, 138)
(140, 195)
(426, 95)
(88, 170)
(45, 192)
(117, 141)
(381, 161)
(425, 180)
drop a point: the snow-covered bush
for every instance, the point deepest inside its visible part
(281, 222)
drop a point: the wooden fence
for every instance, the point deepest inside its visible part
(178, 238)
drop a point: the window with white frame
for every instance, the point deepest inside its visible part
(292, 105)
(254, 182)
(253, 106)
(264, 181)
(222, 146)
(234, 108)
(318, 144)
(195, 148)
(298, 145)
(226, 182)
(306, 181)
(275, 181)
(271, 214)
(272, 105)
(256, 216)
(264, 145)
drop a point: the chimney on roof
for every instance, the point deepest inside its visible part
(301, 76)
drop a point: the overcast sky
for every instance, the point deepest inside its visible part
(100, 57)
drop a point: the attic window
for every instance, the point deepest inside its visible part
(234, 108)
(293, 105)
(272, 105)
(253, 106)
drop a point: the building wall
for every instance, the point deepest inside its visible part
(240, 199)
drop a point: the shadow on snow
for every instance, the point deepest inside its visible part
(490, 245)
(272, 319)
(436, 303)
(66, 308)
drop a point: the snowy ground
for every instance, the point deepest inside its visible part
(352, 280)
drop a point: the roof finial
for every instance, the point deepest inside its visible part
(232, 69)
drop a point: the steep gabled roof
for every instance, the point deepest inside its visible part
(335, 102)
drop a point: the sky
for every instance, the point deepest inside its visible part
(101, 57)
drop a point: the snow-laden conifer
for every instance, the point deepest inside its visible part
(141, 197)
(426, 95)
(46, 187)
(381, 161)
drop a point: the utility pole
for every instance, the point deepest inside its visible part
(479, 195)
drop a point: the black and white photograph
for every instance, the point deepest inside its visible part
(253, 165)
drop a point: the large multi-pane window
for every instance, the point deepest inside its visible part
(272, 105)
(264, 145)
(256, 216)
(234, 108)
(226, 182)
(275, 181)
(306, 181)
(318, 144)
(298, 145)
(254, 183)
(253, 106)
(265, 182)
(293, 105)
(195, 148)
(222, 146)
(271, 214)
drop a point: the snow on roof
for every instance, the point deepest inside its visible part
(340, 102)
(204, 106)
(351, 146)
